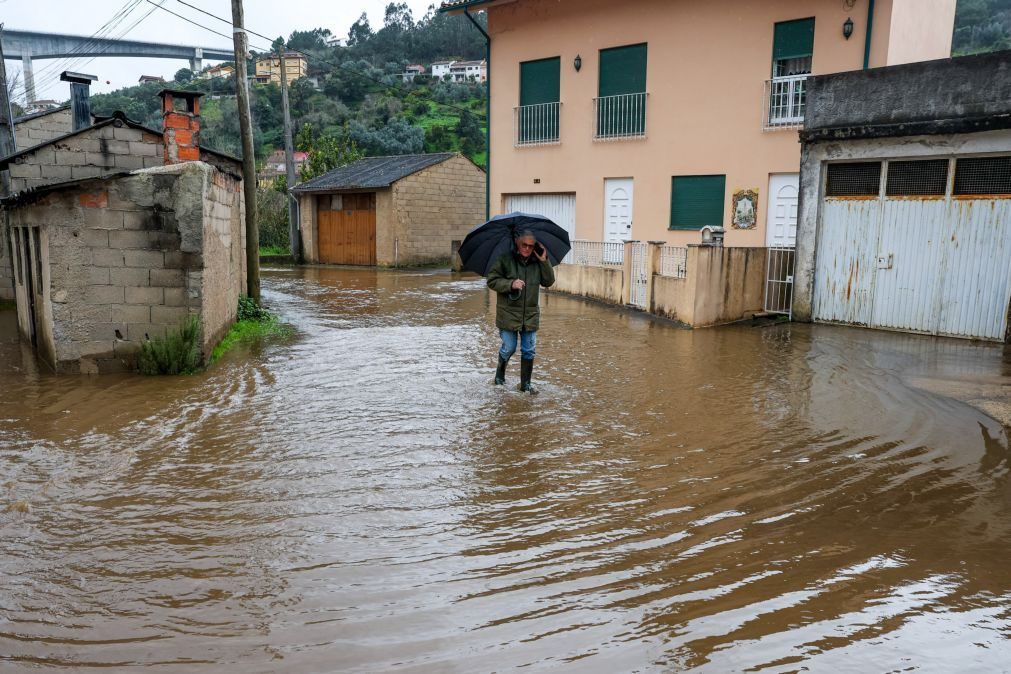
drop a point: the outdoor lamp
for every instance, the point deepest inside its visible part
(578, 63)
(847, 28)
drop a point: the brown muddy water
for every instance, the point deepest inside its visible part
(362, 499)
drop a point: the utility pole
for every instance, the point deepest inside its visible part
(7, 143)
(289, 166)
(240, 41)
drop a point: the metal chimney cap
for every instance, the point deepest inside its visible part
(79, 78)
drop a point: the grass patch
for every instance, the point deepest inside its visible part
(273, 251)
(178, 352)
(254, 323)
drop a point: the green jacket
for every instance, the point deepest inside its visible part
(518, 310)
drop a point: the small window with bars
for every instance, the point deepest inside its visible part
(854, 179)
(917, 178)
(982, 176)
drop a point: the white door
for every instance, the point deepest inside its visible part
(781, 220)
(617, 209)
(559, 208)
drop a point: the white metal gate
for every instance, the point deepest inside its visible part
(639, 272)
(926, 247)
(779, 281)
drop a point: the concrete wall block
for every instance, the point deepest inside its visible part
(144, 295)
(106, 331)
(143, 149)
(131, 238)
(144, 258)
(56, 172)
(25, 171)
(107, 257)
(96, 276)
(127, 276)
(102, 218)
(104, 294)
(79, 172)
(177, 297)
(100, 159)
(129, 162)
(130, 313)
(138, 332)
(168, 278)
(171, 316)
(152, 162)
(126, 133)
(96, 238)
(117, 147)
(96, 348)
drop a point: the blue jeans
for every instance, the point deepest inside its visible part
(528, 344)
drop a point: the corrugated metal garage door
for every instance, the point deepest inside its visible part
(559, 208)
(920, 246)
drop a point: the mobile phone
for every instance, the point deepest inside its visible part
(538, 248)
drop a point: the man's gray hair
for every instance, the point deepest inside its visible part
(524, 233)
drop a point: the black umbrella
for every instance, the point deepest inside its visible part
(486, 243)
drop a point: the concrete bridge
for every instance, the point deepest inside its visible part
(27, 45)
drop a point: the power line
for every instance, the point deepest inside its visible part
(229, 37)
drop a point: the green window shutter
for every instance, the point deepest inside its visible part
(697, 201)
(793, 39)
(539, 81)
(622, 70)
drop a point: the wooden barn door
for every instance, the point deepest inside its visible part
(347, 229)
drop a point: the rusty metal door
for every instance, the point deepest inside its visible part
(347, 229)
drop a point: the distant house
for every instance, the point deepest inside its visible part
(441, 68)
(144, 79)
(268, 68)
(412, 71)
(274, 167)
(217, 72)
(41, 105)
(391, 211)
(334, 41)
(464, 71)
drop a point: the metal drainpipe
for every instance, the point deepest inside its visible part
(870, 29)
(487, 116)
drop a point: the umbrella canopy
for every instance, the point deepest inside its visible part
(487, 242)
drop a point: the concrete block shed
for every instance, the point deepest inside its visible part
(906, 199)
(391, 211)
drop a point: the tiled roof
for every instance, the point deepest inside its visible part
(372, 172)
(449, 5)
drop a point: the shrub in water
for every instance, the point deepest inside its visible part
(249, 310)
(178, 352)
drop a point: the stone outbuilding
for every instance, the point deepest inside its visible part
(905, 199)
(391, 211)
(118, 232)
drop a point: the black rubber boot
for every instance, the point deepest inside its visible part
(500, 371)
(526, 370)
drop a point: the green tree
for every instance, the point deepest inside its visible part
(183, 76)
(325, 151)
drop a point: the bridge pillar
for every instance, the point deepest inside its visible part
(28, 73)
(197, 62)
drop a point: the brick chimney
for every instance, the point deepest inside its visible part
(181, 127)
(80, 100)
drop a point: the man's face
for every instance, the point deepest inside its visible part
(526, 245)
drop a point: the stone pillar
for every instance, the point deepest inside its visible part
(28, 73)
(181, 128)
(652, 269)
(197, 62)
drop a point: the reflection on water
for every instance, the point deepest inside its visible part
(362, 499)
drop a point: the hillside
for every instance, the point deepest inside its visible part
(981, 26)
(360, 96)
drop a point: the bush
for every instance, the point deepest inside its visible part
(178, 352)
(249, 310)
(272, 218)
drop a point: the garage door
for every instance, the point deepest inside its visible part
(347, 229)
(920, 246)
(559, 208)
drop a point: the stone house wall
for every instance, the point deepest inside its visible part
(38, 129)
(92, 153)
(6, 272)
(434, 207)
(125, 258)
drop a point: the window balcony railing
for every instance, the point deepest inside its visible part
(619, 117)
(537, 124)
(785, 101)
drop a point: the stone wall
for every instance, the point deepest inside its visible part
(38, 129)
(432, 208)
(95, 152)
(130, 257)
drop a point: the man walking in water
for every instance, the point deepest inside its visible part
(517, 277)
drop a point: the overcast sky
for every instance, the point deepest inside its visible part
(85, 17)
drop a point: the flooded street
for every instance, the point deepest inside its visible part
(360, 498)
